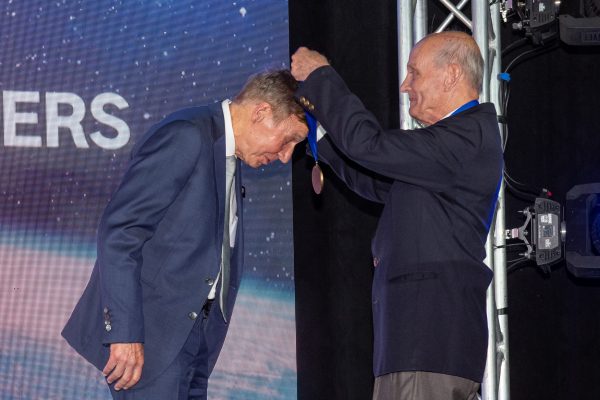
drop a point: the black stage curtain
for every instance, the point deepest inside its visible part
(554, 142)
(333, 231)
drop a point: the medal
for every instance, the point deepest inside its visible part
(317, 178)
(316, 174)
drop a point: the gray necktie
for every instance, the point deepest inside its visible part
(226, 250)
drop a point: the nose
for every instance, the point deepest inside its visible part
(404, 86)
(285, 154)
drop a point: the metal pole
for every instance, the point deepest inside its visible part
(404, 12)
(488, 386)
(462, 17)
(480, 13)
(420, 20)
(500, 286)
(450, 16)
(500, 278)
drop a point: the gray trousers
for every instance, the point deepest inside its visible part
(419, 385)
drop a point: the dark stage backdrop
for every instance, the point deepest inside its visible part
(81, 81)
(554, 142)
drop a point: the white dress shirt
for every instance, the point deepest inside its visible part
(229, 152)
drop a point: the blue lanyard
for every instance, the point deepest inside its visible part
(312, 134)
(466, 106)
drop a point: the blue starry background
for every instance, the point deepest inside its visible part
(159, 56)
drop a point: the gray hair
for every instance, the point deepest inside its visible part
(460, 48)
(276, 88)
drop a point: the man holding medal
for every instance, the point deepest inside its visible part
(439, 188)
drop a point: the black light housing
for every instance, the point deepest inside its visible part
(582, 247)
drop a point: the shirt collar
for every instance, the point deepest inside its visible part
(229, 137)
(464, 107)
(450, 113)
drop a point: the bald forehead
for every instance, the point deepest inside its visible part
(447, 35)
(435, 45)
(437, 41)
(423, 52)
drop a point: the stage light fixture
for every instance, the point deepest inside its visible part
(550, 239)
(539, 20)
(543, 233)
(582, 247)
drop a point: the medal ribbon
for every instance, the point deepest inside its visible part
(466, 106)
(312, 135)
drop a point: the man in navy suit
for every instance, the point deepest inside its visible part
(170, 243)
(439, 187)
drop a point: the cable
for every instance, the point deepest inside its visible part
(523, 54)
(518, 58)
(510, 245)
(519, 193)
(524, 192)
(516, 260)
(505, 97)
(513, 180)
(517, 265)
(514, 45)
(508, 182)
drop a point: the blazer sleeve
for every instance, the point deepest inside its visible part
(159, 168)
(369, 186)
(430, 157)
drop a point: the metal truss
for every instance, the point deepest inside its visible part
(485, 27)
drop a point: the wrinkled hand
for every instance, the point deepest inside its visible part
(124, 364)
(305, 61)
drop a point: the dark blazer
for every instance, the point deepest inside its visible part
(439, 185)
(159, 246)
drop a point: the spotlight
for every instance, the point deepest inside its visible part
(543, 233)
(537, 18)
(582, 247)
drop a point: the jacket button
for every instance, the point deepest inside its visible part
(108, 327)
(209, 281)
(376, 261)
(192, 316)
(303, 100)
(311, 107)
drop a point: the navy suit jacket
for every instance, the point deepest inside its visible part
(439, 187)
(159, 246)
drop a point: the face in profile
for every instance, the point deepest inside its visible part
(268, 140)
(424, 84)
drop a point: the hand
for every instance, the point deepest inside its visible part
(124, 364)
(305, 61)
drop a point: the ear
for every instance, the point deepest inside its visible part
(453, 75)
(260, 111)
